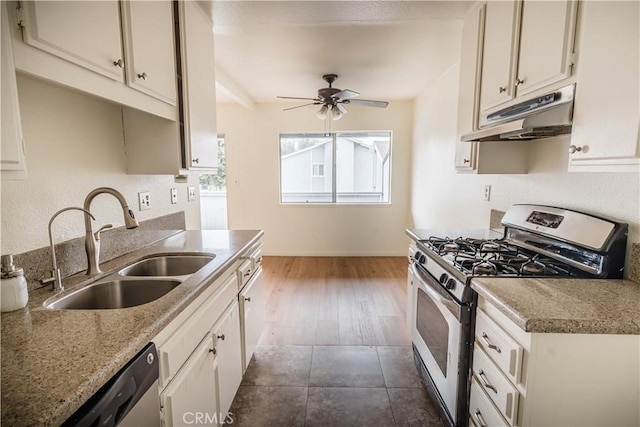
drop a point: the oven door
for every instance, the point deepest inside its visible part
(436, 331)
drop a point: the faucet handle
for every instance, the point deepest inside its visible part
(104, 227)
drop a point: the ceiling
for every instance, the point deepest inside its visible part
(387, 50)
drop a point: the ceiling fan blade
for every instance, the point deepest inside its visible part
(369, 103)
(345, 94)
(294, 97)
(299, 106)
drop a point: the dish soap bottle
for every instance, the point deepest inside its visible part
(13, 286)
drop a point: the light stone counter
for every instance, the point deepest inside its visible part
(575, 306)
(53, 361)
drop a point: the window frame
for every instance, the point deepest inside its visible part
(334, 202)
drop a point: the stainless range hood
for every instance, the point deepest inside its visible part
(540, 117)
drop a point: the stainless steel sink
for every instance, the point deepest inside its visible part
(167, 265)
(114, 294)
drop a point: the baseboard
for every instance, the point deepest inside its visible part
(335, 254)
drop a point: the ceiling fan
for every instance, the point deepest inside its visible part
(333, 99)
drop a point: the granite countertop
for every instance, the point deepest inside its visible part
(575, 306)
(54, 360)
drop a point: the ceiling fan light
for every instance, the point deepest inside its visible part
(322, 113)
(341, 108)
(336, 114)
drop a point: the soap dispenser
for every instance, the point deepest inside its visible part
(13, 286)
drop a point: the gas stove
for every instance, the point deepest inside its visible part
(538, 241)
(496, 257)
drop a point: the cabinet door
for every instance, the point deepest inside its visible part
(198, 88)
(606, 111)
(499, 53)
(546, 43)
(468, 92)
(86, 33)
(194, 390)
(226, 333)
(252, 307)
(149, 45)
(12, 156)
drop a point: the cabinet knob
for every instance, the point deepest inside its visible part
(196, 160)
(502, 89)
(573, 149)
(247, 299)
(221, 337)
(213, 350)
(119, 63)
(142, 76)
(465, 161)
(519, 82)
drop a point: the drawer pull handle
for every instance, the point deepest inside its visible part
(486, 383)
(480, 418)
(221, 337)
(247, 274)
(247, 299)
(213, 350)
(259, 260)
(489, 344)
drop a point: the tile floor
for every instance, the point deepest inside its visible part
(332, 386)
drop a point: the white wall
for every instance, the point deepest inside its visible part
(252, 184)
(442, 198)
(74, 144)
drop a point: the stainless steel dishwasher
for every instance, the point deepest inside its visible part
(129, 398)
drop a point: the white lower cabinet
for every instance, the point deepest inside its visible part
(252, 307)
(226, 334)
(191, 397)
(551, 379)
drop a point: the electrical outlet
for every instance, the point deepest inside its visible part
(174, 196)
(487, 193)
(191, 194)
(144, 200)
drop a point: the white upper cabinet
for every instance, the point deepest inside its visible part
(84, 32)
(467, 89)
(150, 54)
(473, 156)
(502, 18)
(158, 146)
(528, 45)
(546, 43)
(199, 88)
(606, 116)
(122, 51)
(12, 155)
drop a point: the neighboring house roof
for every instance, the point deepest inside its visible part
(304, 150)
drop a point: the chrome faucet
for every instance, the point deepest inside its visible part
(56, 278)
(92, 240)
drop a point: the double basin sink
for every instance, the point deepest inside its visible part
(137, 284)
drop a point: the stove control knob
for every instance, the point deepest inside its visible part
(420, 257)
(443, 278)
(451, 284)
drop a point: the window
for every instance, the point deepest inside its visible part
(318, 170)
(346, 167)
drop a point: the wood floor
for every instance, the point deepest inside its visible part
(335, 301)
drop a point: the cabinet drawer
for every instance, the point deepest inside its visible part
(244, 273)
(503, 394)
(256, 257)
(499, 346)
(481, 410)
(184, 340)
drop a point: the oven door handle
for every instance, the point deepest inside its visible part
(446, 301)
